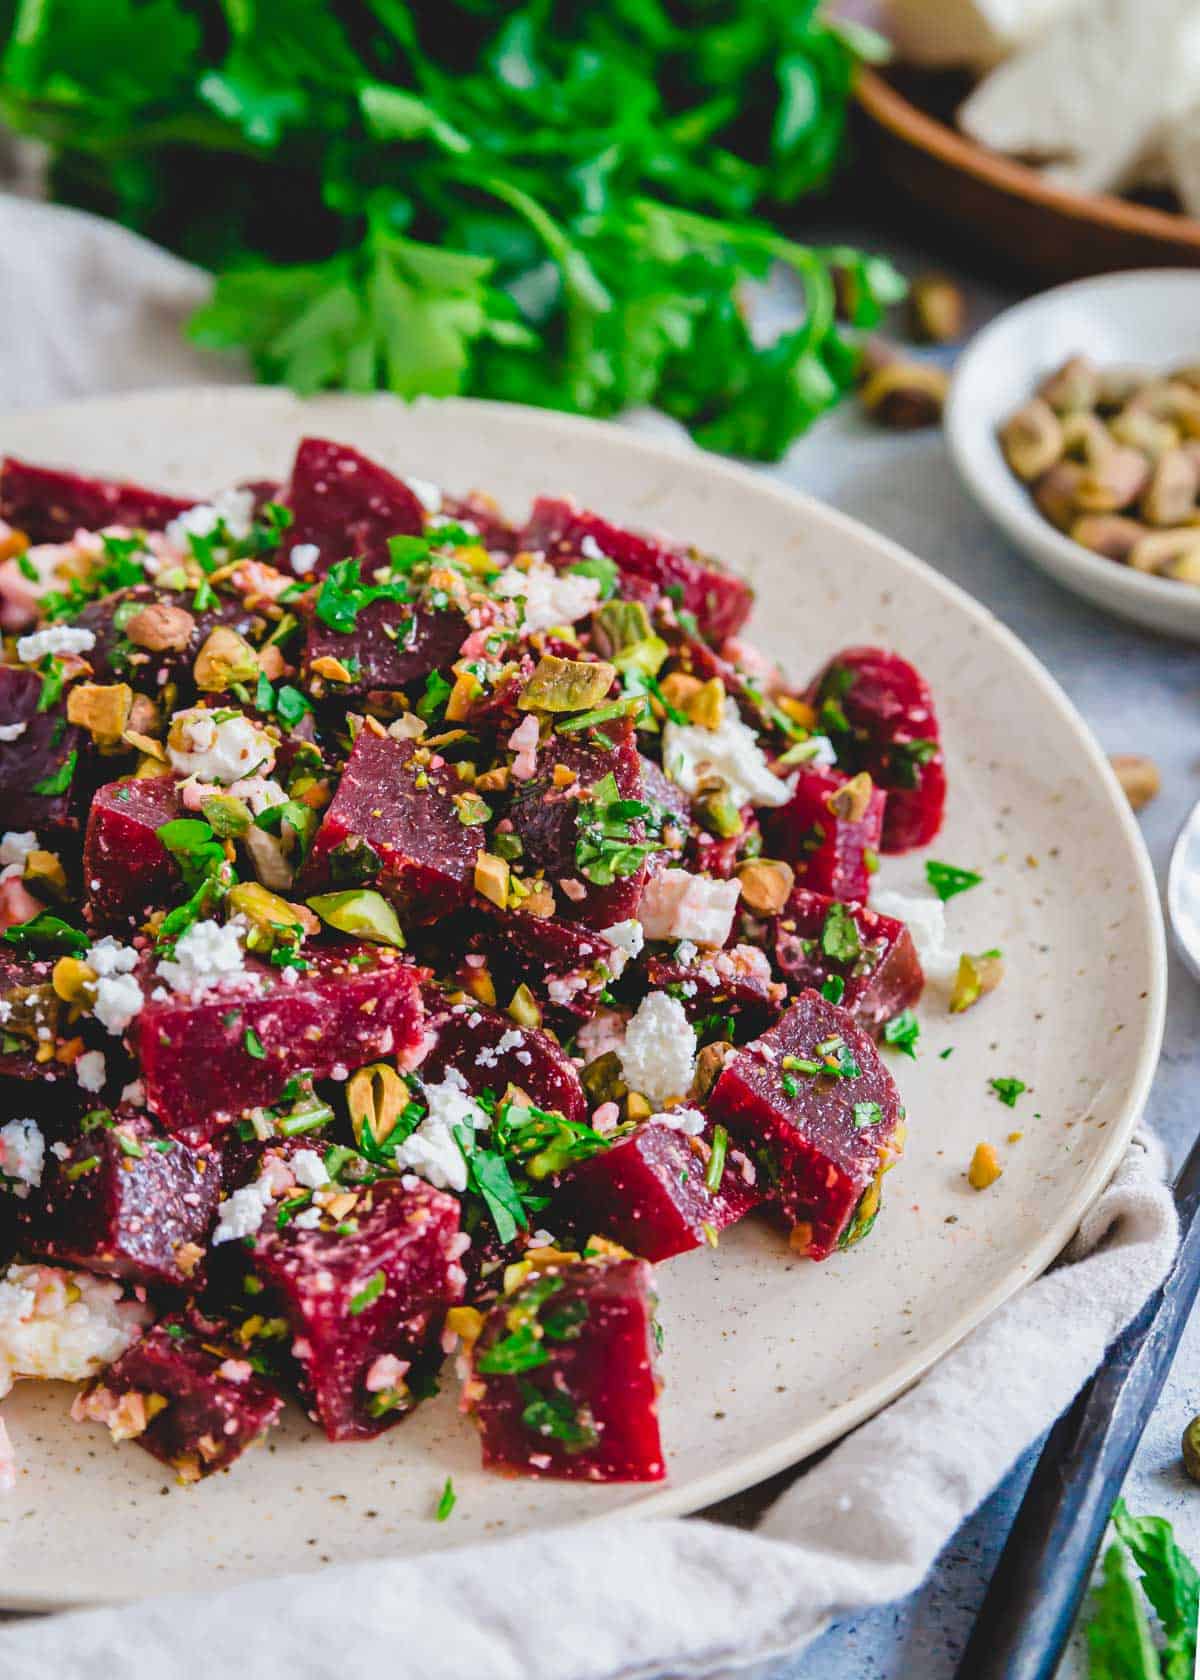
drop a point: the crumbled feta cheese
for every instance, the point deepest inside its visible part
(679, 905)
(308, 1169)
(15, 847)
(690, 1121)
(386, 1371)
(628, 936)
(925, 918)
(308, 1220)
(118, 999)
(22, 1154)
(241, 1214)
(229, 751)
(209, 954)
(13, 731)
(690, 753)
(62, 1325)
(550, 597)
(56, 638)
(658, 1052)
(590, 548)
(433, 1150)
(134, 1094)
(604, 1032)
(524, 742)
(232, 508)
(91, 1070)
(490, 1054)
(109, 956)
(304, 557)
(429, 496)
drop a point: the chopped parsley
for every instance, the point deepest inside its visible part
(902, 1033)
(343, 595)
(371, 1291)
(521, 1350)
(447, 1501)
(555, 1414)
(867, 1114)
(716, 1160)
(1008, 1090)
(59, 780)
(840, 939)
(608, 845)
(254, 1045)
(947, 880)
(47, 932)
(833, 990)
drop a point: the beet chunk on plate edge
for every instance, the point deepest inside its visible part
(583, 1404)
(50, 506)
(191, 1402)
(822, 1139)
(877, 961)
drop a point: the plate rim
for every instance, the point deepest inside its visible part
(663, 1500)
(1005, 500)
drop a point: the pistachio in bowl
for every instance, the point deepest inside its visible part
(1111, 457)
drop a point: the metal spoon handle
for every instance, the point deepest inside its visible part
(1035, 1593)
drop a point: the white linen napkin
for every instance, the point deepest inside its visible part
(100, 309)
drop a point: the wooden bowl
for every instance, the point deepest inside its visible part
(1036, 229)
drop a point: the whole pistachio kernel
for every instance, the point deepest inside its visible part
(362, 914)
(227, 816)
(523, 1008)
(852, 800)
(766, 885)
(977, 975)
(376, 1097)
(273, 921)
(102, 709)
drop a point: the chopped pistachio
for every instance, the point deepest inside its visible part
(706, 706)
(523, 1008)
(714, 808)
(226, 815)
(466, 691)
(566, 685)
(622, 624)
(766, 885)
(492, 878)
(224, 659)
(331, 669)
(603, 1080)
(273, 921)
(976, 976)
(73, 980)
(44, 870)
(852, 800)
(102, 709)
(985, 1167)
(361, 913)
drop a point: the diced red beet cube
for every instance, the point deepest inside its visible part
(389, 806)
(491, 1052)
(480, 510)
(821, 1140)
(353, 1005)
(562, 1377)
(366, 1305)
(647, 1192)
(719, 855)
(564, 965)
(348, 505)
(128, 1202)
(50, 506)
(892, 732)
(830, 854)
(127, 871)
(873, 955)
(548, 818)
(215, 1406)
(736, 982)
(44, 771)
(393, 644)
(721, 602)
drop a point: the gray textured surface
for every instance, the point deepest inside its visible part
(1139, 693)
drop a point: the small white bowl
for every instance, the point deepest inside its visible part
(1147, 318)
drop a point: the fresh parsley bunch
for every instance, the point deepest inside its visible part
(555, 202)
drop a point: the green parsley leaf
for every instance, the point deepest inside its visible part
(522, 1350)
(1008, 1090)
(59, 780)
(947, 880)
(371, 1291)
(1170, 1582)
(902, 1032)
(47, 932)
(833, 990)
(840, 939)
(605, 571)
(554, 1414)
(254, 1045)
(447, 1501)
(867, 1114)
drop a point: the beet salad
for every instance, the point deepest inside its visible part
(414, 929)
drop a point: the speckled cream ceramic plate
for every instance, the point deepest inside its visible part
(767, 1357)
